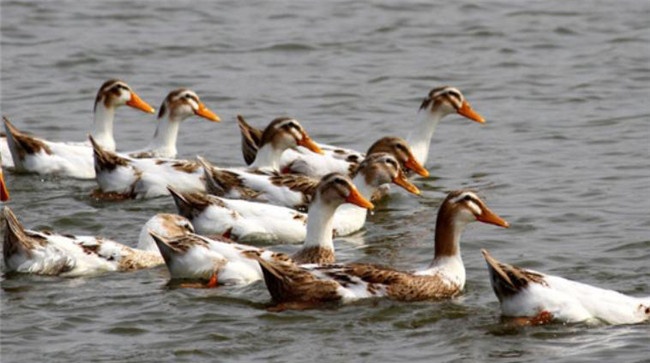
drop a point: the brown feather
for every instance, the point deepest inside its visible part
(24, 143)
(251, 139)
(16, 238)
(317, 255)
(508, 280)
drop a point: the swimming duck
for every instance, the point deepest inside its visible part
(224, 261)
(73, 159)
(538, 298)
(177, 106)
(248, 221)
(53, 254)
(122, 176)
(439, 103)
(295, 190)
(295, 286)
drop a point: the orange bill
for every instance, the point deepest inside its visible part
(487, 216)
(310, 144)
(206, 113)
(356, 198)
(137, 102)
(4, 193)
(404, 183)
(414, 165)
(467, 111)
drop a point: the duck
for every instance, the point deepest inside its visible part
(177, 106)
(227, 263)
(535, 298)
(256, 180)
(33, 154)
(121, 176)
(440, 102)
(53, 254)
(303, 286)
(254, 222)
(295, 190)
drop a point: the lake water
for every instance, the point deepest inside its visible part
(564, 157)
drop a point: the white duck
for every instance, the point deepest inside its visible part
(122, 176)
(225, 262)
(439, 103)
(251, 222)
(53, 254)
(295, 190)
(73, 159)
(294, 286)
(537, 298)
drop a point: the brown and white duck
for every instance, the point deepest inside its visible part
(53, 254)
(534, 298)
(197, 257)
(440, 102)
(304, 286)
(72, 159)
(123, 176)
(294, 190)
(248, 221)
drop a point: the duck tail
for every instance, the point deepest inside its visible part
(167, 250)
(189, 204)
(105, 160)
(215, 179)
(251, 138)
(508, 280)
(21, 144)
(16, 241)
(278, 282)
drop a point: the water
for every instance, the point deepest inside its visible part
(564, 157)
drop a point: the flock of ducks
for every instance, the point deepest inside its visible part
(292, 190)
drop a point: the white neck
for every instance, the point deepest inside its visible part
(164, 139)
(267, 157)
(103, 126)
(320, 220)
(420, 137)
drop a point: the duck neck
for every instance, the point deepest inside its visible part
(164, 139)
(320, 221)
(267, 157)
(447, 248)
(103, 126)
(420, 137)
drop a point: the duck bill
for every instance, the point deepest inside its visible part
(307, 142)
(414, 165)
(404, 183)
(206, 113)
(4, 193)
(467, 111)
(357, 199)
(487, 216)
(137, 102)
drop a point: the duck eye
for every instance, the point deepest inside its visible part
(468, 198)
(340, 181)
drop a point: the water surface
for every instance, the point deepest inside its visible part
(564, 157)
